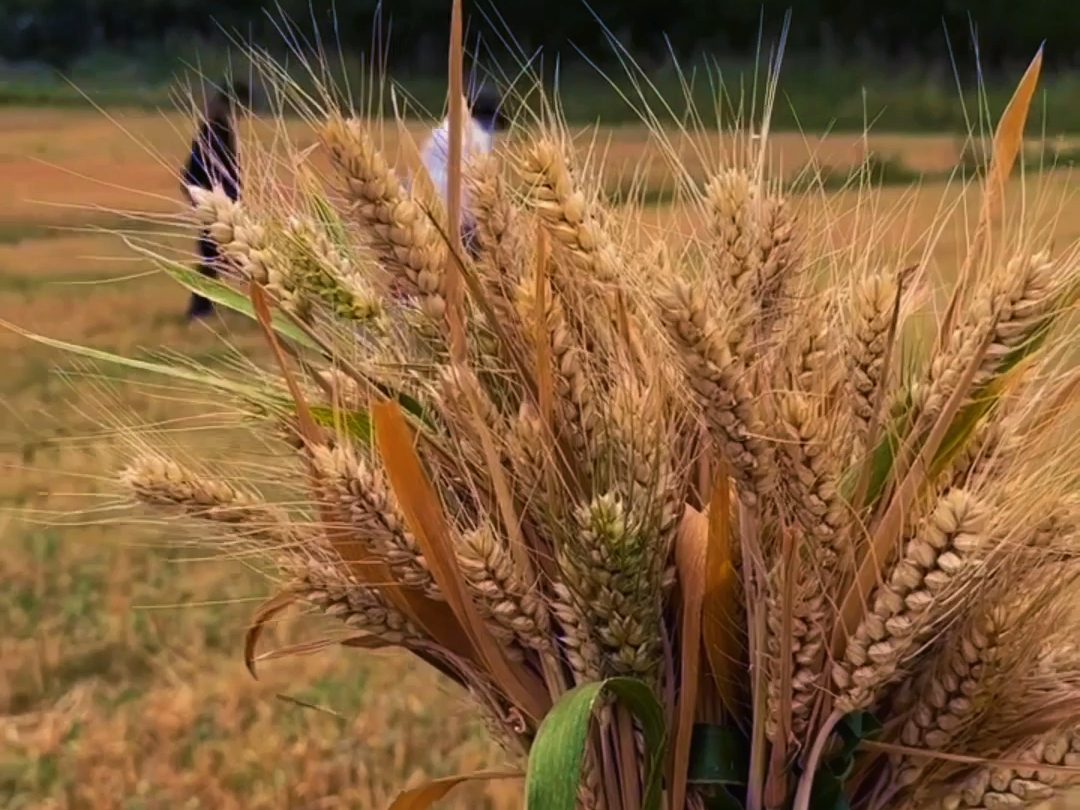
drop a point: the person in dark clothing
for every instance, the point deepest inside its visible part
(212, 163)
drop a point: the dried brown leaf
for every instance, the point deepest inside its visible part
(1008, 141)
(720, 623)
(266, 611)
(421, 798)
(691, 555)
(423, 514)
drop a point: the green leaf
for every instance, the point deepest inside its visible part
(555, 760)
(224, 295)
(828, 791)
(176, 372)
(881, 461)
(718, 756)
(356, 423)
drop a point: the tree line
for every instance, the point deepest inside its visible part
(58, 32)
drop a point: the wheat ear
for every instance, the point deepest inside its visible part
(563, 209)
(406, 241)
(1016, 789)
(573, 387)
(502, 256)
(365, 502)
(616, 586)
(460, 390)
(756, 248)
(721, 386)
(360, 607)
(325, 271)
(506, 600)
(864, 353)
(902, 608)
(1013, 308)
(161, 482)
(810, 475)
(809, 615)
(950, 695)
(250, 247)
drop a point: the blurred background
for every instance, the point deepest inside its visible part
(907, 57)
(122, 685)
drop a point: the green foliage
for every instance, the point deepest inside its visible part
(558, 752)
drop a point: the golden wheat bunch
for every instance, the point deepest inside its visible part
(691, 532)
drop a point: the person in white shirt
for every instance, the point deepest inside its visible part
(483, 120)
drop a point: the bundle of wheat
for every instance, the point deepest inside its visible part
(680, 520)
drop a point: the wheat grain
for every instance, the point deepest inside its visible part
(403, 236)
(162, 482)
(864, 352)
(506, 599)
(722, 388)
(902, 608)
(615, 583)
(952, 693)
(369, 510)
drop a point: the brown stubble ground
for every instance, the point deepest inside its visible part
(121, 681)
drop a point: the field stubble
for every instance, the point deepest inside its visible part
(121, 680)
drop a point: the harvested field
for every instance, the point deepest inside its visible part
(122, 683)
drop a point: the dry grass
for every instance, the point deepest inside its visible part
(120, 682)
